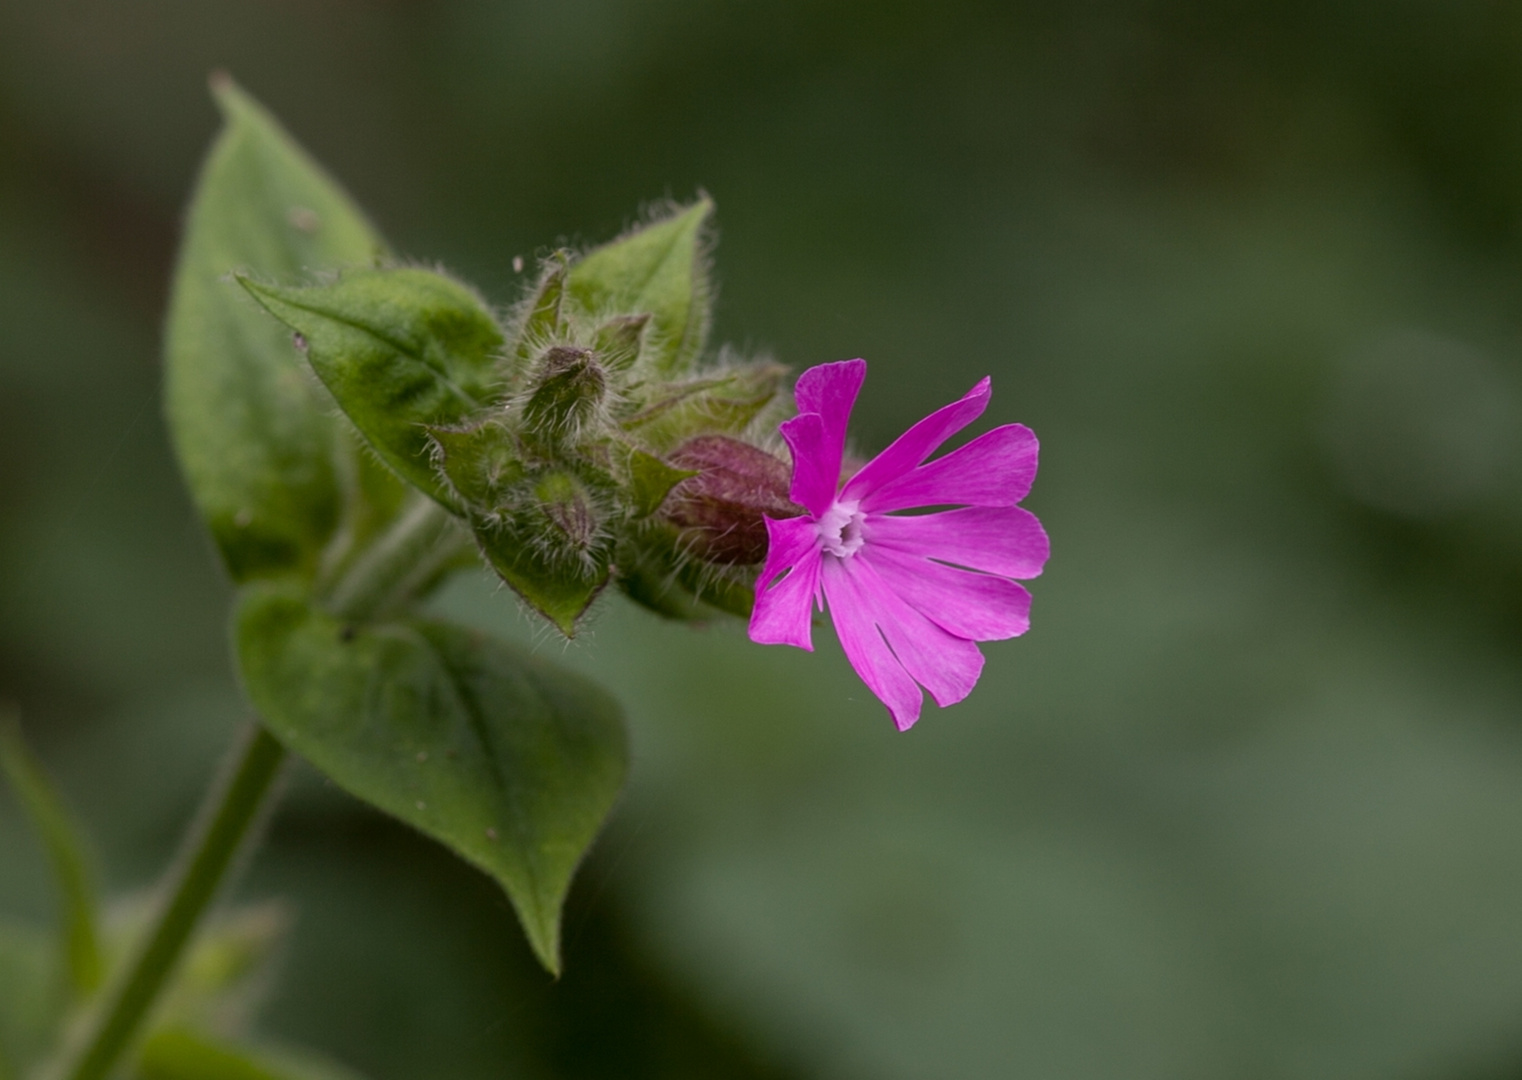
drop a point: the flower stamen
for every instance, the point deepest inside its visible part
(840, 530)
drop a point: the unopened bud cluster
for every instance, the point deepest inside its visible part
(610, 453)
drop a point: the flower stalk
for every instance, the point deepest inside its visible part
(399, 564)
(233, 807)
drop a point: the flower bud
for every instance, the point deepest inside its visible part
(720, 510)
(569, 387)
(569, 509)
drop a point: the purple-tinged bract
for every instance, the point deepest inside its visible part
(910, 595)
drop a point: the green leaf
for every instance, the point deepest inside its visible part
(561, 590)
(729, 589)
(399, 349)
(725, 403)
(661, 268)
(66, 851)
(252, 429)
(507, 760)
(182, 1053)
(34, 994)
(482, 463)
(541, 528)
(617, 341)
(651, 480)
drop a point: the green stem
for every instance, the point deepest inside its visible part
(398, 563)
(389, 572)
(231, 810)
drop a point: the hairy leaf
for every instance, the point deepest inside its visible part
(660, 268)
(725, 403)
(649, 573)
(651, 480)
(253, 430)
(507, 760)
(399, 349)
(481, 462)
(561, 590)
(617, 342)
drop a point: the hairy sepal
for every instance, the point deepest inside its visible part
(726, 402)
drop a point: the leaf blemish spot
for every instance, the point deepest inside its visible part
(304, 219)
(422, 756)
(243, 518)
(517, 264)
(421, 805)
(299, 340)
(491, 833)
(347, 634)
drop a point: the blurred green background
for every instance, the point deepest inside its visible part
(1246, 802)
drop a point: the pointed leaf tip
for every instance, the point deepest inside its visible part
(660, 268)
(510, 762)
(254, 436)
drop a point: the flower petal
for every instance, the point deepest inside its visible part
(788, 540)
(945, 664)
(995, 469)
(782, 615)
(827, 392)
(1003, 540)
(783, 611)
(864, 646)
(980, 607)
(830, 390)
(814, 480)
(919, 442)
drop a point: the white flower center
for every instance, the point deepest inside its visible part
(840, 529)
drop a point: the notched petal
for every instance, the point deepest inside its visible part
(784, 599)
(911, 448)
(943, 663)
(814, 476)
(885, 676)
(995, 469)
(1004, 540)
(979, 607)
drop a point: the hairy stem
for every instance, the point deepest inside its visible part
(398, 563)
(231, 810)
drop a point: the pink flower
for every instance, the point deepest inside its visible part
(910, 595)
